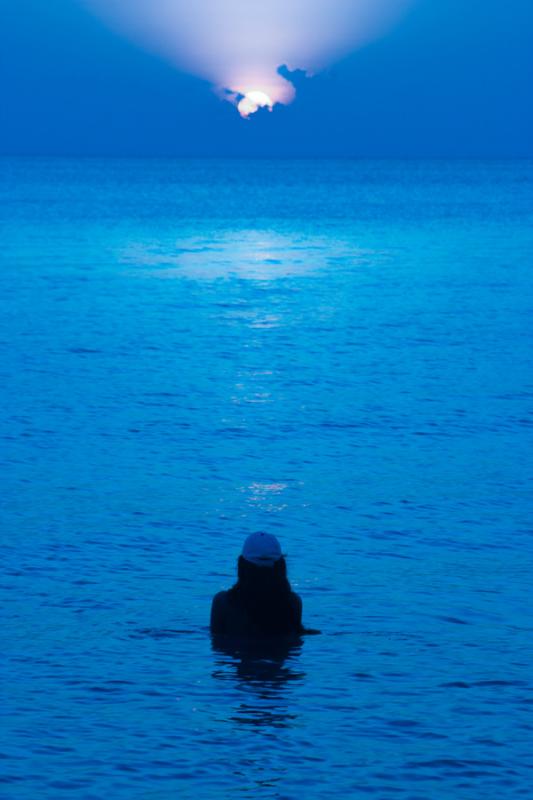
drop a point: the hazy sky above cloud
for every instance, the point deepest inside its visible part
(239, 44)
(443, 78)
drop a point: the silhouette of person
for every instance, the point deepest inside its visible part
(262, 602)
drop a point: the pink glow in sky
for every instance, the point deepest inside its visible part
(238, 45)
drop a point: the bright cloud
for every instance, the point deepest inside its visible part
(238, 45)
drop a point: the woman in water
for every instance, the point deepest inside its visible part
(261, 603)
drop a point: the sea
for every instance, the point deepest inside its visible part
(336, 352)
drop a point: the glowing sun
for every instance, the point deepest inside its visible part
(252, 102)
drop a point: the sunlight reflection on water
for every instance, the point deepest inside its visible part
(250, 255)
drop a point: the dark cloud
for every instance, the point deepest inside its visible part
(298, 77)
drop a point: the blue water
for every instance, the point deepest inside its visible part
(337, 352)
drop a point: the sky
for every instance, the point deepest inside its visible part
(448, 78)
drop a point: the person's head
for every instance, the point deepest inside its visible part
(262, 586)
(263, 579)
(261, 566)
(261, 549)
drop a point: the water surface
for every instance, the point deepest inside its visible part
(336, 352)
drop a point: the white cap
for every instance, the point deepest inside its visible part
(262, 549)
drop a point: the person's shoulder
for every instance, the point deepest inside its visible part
(296, 599)
(219, 612)
(220, 599)
(297, 605)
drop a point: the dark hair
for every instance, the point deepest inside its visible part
(265, 594)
